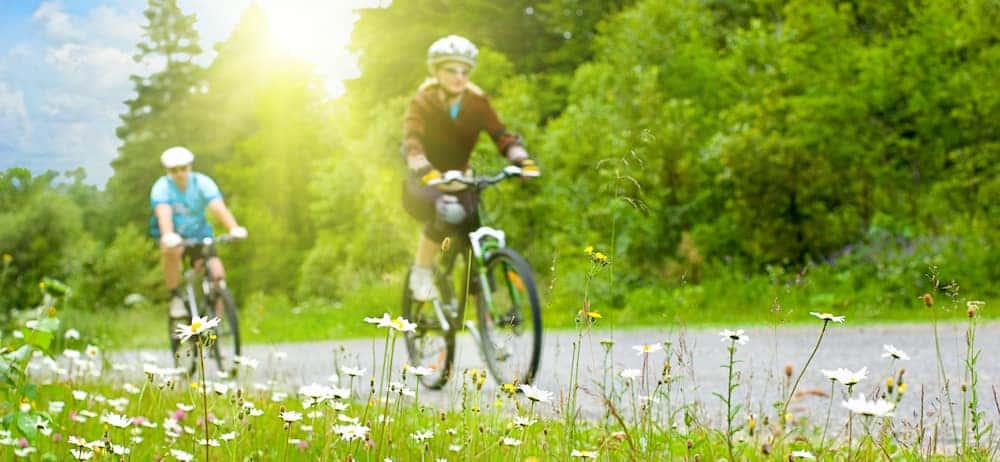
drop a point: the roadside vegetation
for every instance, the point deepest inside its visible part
(66, 398)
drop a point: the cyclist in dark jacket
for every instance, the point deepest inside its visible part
(440, 129)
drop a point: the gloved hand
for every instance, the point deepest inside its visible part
(528, 167)
(429, 175)
(238, 232)
(171, 240)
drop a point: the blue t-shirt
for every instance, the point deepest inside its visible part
(188, 206)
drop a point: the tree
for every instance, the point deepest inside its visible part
(159, 116)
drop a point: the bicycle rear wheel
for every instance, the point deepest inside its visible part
(432, 345)
(226, 346)
(510, 318)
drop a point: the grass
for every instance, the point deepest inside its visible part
(126, 414)
(65, 403)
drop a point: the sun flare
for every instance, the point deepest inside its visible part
(317, 31)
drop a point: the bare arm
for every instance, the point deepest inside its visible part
(165, 218)
(222, 213)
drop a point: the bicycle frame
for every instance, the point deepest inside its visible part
(208, 288)
(483, 242)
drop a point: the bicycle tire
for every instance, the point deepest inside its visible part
(499, 323)
(227, 344)
(442, 356)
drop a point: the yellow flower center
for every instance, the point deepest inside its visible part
(195, 326)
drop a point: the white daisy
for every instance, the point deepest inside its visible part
(828, 317)
(536, 394)
(894, 353)
(845, 376)
(737, 336)
(647, 348)
(197, 326)
(860, 405)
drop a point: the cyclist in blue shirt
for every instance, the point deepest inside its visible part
(179, 200)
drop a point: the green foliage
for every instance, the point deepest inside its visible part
(18, 414)
(39, 230)
(716, 149)
(109, 273)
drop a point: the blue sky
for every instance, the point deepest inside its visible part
(64, 68)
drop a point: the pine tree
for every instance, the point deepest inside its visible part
(159, 116)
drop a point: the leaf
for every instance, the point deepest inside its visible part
(26, 424)
(30, 391)
(20, 356)
(50, 325)
(39, 339)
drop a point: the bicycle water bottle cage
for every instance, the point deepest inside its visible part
(477, 238)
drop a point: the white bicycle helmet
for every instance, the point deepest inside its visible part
(451, 48)
(176, 156)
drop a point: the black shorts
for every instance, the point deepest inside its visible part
(419, 200)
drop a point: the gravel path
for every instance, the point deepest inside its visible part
(698, 355)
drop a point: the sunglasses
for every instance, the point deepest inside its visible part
(180, 169)
(457, 70)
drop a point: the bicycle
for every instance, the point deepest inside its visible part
(226, 346)
(507, 306)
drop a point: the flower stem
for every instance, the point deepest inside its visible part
(826, 425)
(791, 393)
(204, 392)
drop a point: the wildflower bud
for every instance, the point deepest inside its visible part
(697, 458)
(965, 388)
(690, 444)
(928, 299)
(889, 384)
(765, 449)
(443, 416)
(788, 370)
(900, 379)
(971, 311)
(446, 244)
(902, 388)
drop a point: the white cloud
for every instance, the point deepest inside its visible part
(55, 22)
(15, 126)
(93, 66)
(12, 106)
(102, 24)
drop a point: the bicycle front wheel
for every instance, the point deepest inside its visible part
(226, 346)
(510, 318)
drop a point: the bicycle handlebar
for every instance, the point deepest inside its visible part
(192, 242)
(481, 182)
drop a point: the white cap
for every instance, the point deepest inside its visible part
(176, 156)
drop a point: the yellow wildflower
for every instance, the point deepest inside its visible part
(7, 257)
